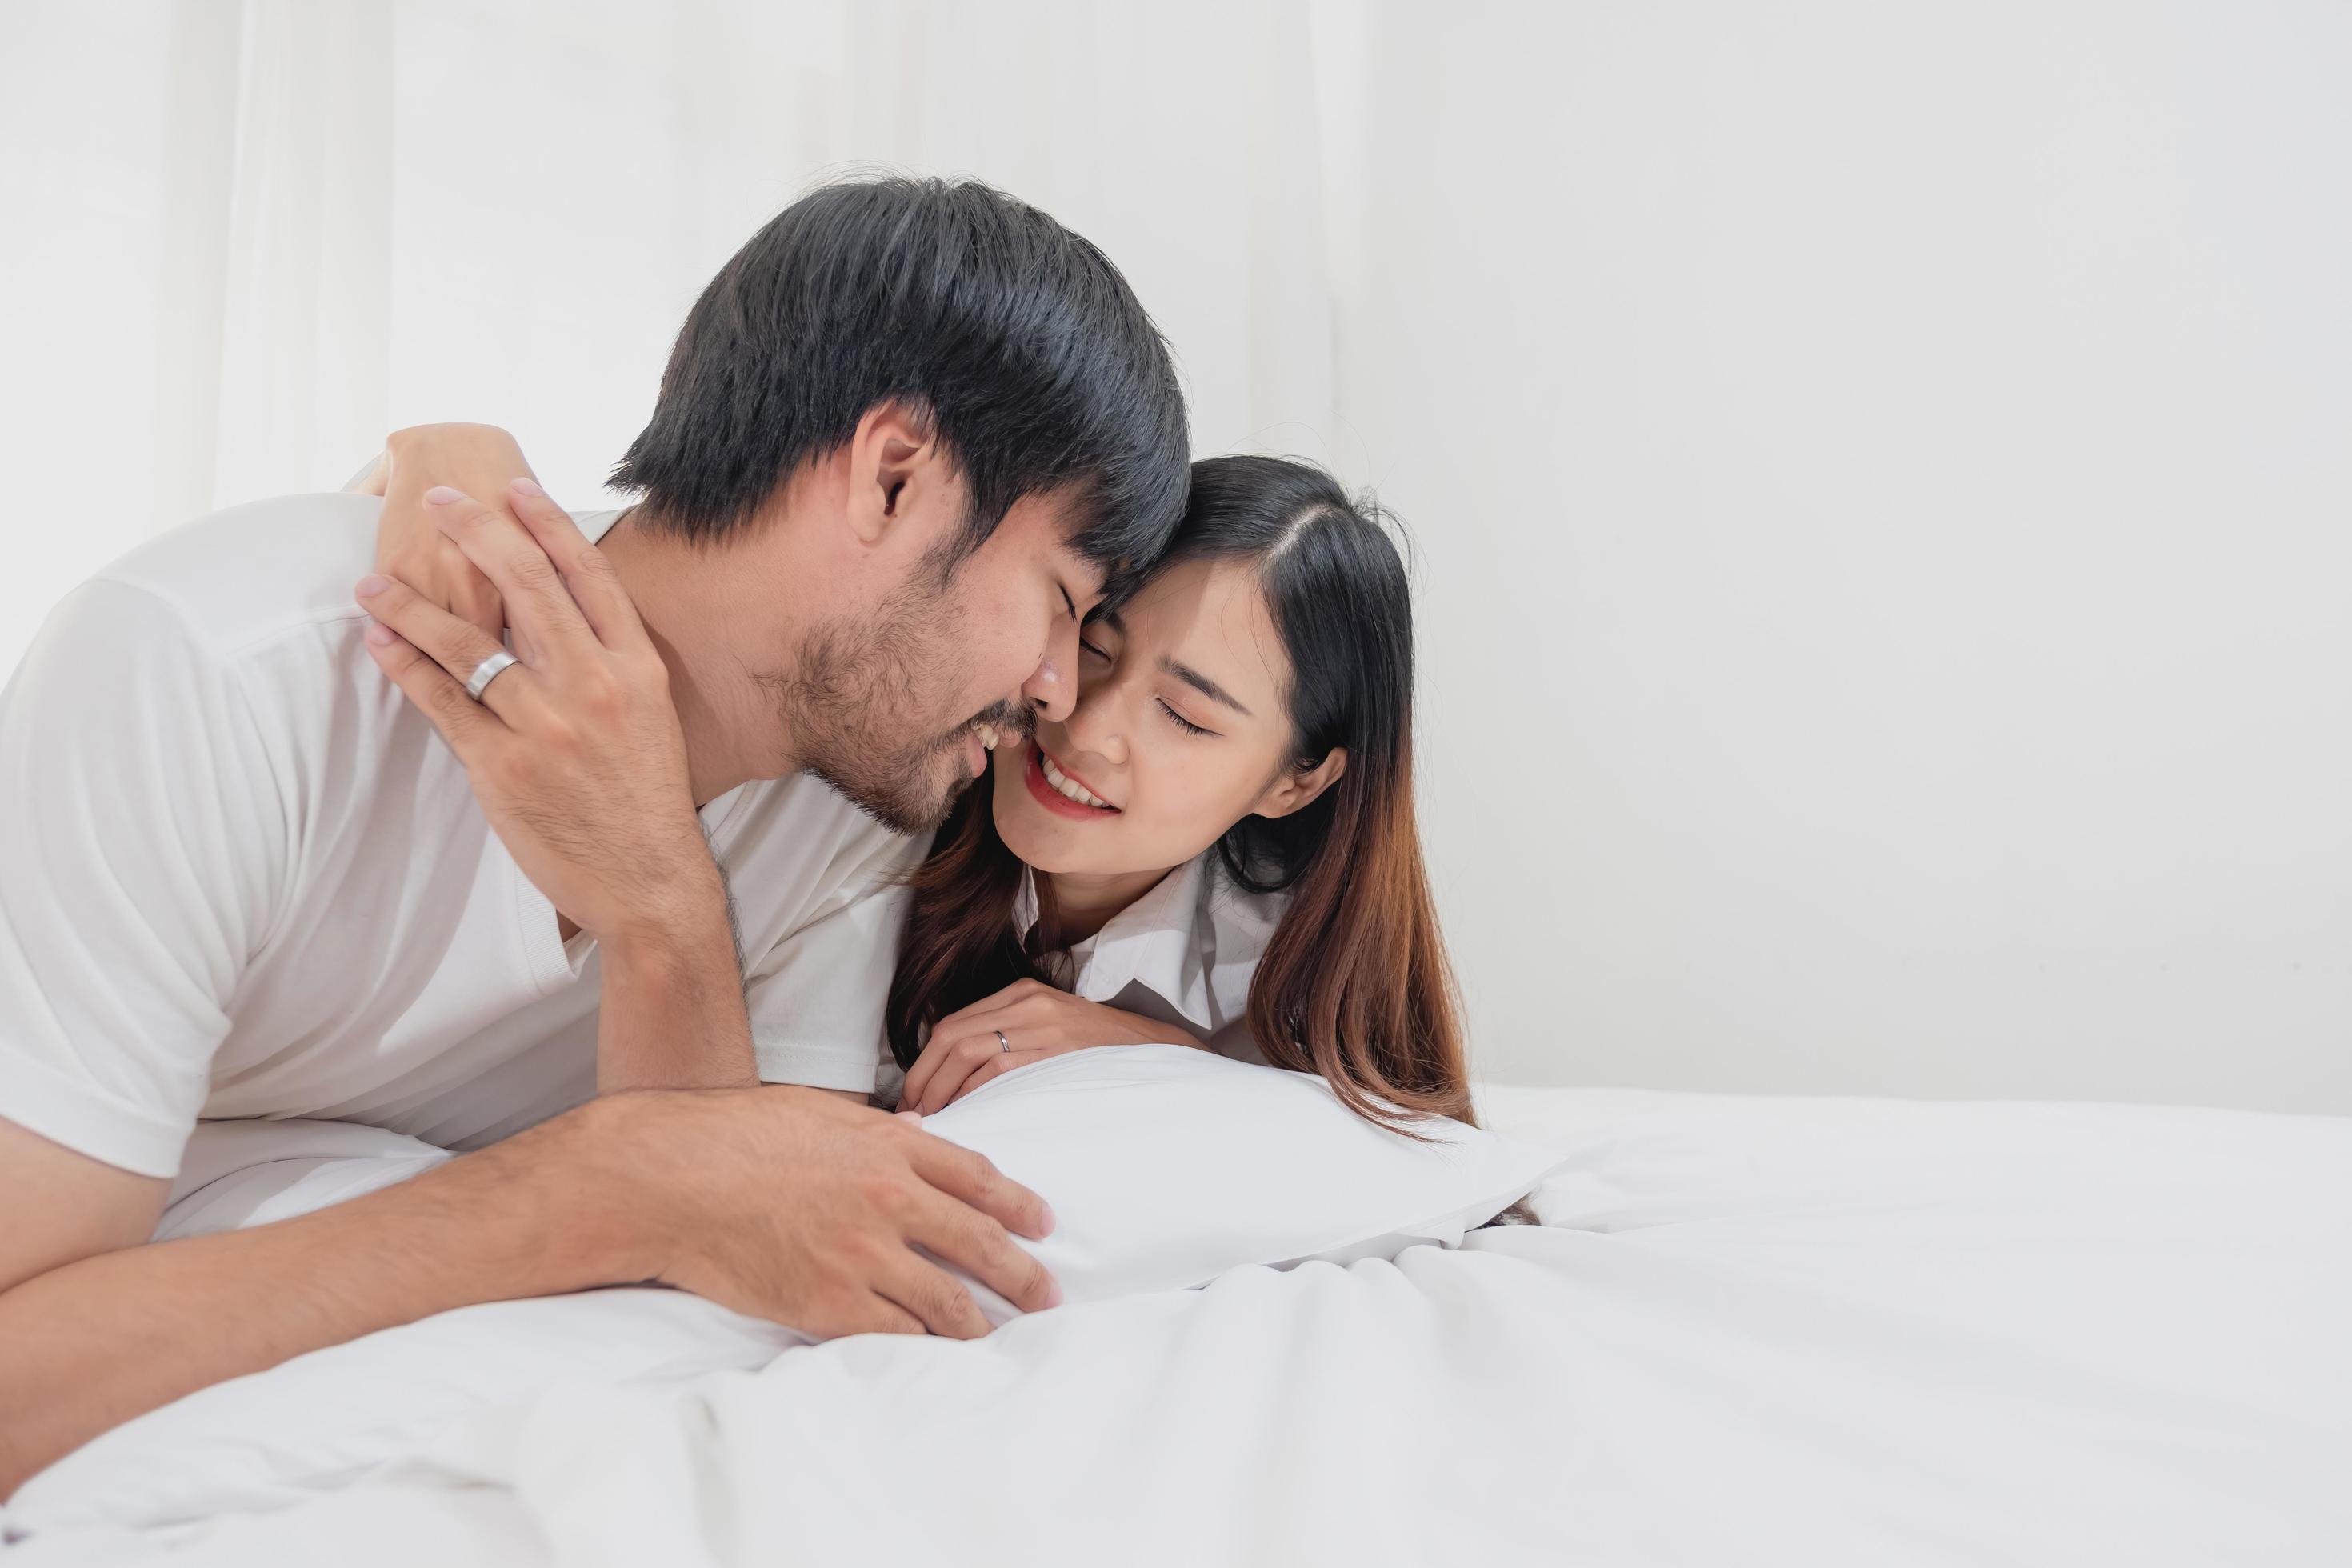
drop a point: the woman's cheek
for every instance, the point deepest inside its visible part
(1178, 806)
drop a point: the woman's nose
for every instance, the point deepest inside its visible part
(1094, 726)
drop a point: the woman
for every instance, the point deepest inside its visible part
(1219, 838)
(1216, 848)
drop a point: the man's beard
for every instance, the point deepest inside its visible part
(858, 712)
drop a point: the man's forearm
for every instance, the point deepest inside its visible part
(87, 1346)
(670, 1011)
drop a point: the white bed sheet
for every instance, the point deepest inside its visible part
(1751, 1331)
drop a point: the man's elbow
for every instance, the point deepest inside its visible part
(16, 1469)
(71, 1207)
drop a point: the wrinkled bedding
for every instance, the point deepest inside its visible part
(1750, 1329)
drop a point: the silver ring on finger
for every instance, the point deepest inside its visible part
(1005, 1045)
(489, 670)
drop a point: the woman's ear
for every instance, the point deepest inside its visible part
(893, 468)
(1297, 788)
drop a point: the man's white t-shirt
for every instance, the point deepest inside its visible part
(240, 875)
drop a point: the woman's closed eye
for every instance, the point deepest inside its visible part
(1186, 724)
(1089, 648)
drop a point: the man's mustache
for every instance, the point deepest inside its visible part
(1014, 721)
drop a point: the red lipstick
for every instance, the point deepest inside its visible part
(1052, 799)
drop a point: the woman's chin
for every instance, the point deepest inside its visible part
(1037, 840)
(1034, 849)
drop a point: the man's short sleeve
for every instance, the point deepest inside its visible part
(817, 999)
(143, 837)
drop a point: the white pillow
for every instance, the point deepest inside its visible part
(1165, 1167)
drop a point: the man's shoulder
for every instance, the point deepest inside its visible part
(226, 656)
(239, 577)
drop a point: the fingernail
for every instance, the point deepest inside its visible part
(526, 487)
(914, 1116)
(1045, 1217)
(442, 495)
(379, 634)
(372, 585)
(1053, 1294)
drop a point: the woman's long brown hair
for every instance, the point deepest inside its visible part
(1354, 986)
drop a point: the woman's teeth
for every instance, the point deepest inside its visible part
(1068, 785)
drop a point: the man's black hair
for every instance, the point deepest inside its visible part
(1019, 341)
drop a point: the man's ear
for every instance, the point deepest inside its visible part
(1297, 788)
(895, 470)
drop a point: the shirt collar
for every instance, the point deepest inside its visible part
(1192, 940)
(594, 525)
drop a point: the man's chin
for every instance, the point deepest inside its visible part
(917, 801)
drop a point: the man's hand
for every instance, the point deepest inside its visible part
(788, 1204)
(969, 1047)
(580, 765)
(792, 1204)
(576, 755)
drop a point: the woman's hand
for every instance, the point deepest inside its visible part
(1038, 1022)
(480, 460)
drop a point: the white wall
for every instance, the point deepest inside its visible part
(1887, 480)
(1881, 474)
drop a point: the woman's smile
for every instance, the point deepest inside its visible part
(1057, 791)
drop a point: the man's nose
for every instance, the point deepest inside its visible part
(1052, 686)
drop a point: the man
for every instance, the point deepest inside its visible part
(907, 436)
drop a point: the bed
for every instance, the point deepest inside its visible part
(1750, 1329)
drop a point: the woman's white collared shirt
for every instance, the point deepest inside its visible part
(1183, 955)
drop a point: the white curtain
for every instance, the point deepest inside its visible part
(246, 239)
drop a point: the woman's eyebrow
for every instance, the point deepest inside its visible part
(1202, 684)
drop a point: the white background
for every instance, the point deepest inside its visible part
(1882, 476)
